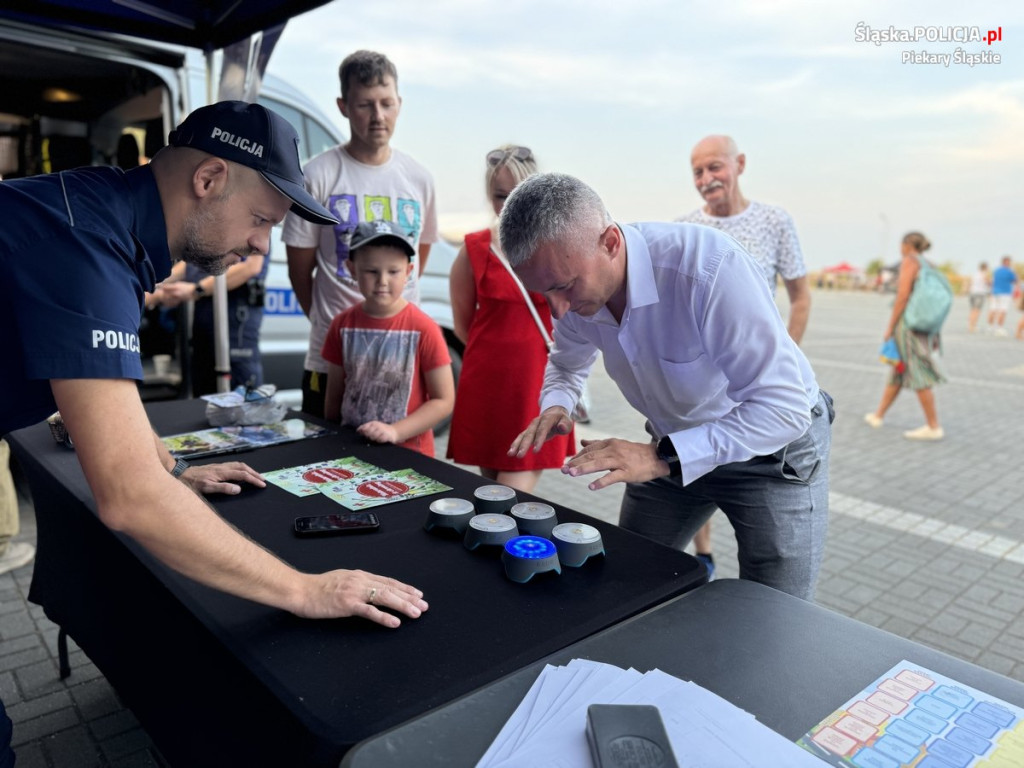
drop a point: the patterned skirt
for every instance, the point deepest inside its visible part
(919, 369)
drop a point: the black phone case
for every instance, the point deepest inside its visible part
(628, 736)
(368, 528)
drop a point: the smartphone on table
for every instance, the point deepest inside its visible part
(343, 522)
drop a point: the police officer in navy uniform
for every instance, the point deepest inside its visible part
(78, 249)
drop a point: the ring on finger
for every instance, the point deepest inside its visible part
(373, 594)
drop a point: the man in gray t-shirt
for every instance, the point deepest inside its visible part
(365, 179)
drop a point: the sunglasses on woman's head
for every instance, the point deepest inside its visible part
(497, 156)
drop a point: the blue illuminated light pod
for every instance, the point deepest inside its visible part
(489, 530)
(534, 518)
(576, 542)
(525, 556)
(449, 514)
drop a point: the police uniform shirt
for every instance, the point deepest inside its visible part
(77, 251)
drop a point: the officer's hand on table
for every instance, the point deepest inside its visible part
(625, 462)
(221, 478)
(379, 432)
(554, 421)
(357, 593)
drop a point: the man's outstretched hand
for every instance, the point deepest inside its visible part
(554, 421)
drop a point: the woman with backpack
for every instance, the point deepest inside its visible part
(916, 368)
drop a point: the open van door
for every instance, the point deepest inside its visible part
(66, 99)
(207, 26)
(69, 99)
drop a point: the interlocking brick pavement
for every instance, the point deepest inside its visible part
(926, 540)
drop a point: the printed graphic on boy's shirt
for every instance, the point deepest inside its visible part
(379, 366)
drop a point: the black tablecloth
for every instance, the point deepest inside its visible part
(197, 664)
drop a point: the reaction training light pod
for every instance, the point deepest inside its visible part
(525, 556)
(576, 542)
(535, 518)
(494, 499)
(489, 530)
(449, 514)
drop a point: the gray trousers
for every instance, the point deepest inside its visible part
(777, 504)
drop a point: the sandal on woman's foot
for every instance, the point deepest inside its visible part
(925, 433)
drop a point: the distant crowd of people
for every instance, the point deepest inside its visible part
(998, 288)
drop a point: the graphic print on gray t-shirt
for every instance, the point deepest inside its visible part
(379, 366)
(345, 208)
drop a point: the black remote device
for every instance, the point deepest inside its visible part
(628, 736)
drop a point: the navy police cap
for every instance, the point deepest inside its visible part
(258, 138)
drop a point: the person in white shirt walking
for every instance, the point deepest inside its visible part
(981, 286)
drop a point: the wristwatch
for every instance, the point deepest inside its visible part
(179, 468)
(198, 292)
(667, 453)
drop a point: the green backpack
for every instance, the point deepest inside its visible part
(930, 300)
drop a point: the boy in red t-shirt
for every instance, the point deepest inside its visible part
(390, 373)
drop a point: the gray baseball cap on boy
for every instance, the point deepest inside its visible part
(380, 232)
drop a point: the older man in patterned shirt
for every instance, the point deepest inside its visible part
(765, 231)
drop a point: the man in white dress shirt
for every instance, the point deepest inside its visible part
(689, 331)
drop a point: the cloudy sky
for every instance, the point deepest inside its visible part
(857, 145)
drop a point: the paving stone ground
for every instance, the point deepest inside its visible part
(926, 540)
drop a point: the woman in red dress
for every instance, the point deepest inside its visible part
(503, 363)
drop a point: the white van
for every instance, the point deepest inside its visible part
(68, 99)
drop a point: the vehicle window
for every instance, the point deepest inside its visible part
(320, 140)
(294, 117)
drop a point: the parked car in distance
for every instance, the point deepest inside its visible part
(435, 297)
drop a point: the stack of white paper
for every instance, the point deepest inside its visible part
(548, 729)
